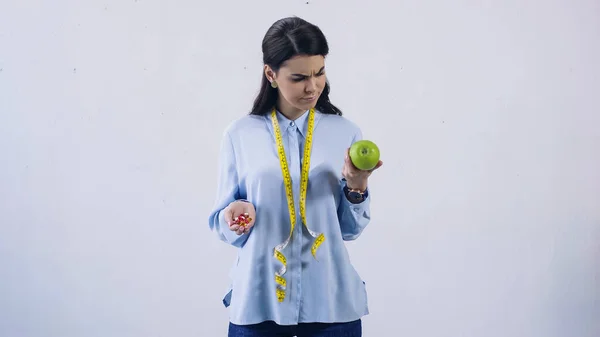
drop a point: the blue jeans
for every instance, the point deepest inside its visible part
(270, 329)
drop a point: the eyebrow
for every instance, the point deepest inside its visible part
(302, 75)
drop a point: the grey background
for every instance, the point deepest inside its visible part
(486, 214)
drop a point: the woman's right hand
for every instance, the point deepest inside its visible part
(236, 209)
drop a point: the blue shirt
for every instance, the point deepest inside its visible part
(325, 289)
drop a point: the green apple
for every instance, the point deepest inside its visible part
(364, 154)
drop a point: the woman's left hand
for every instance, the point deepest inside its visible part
(356, 178)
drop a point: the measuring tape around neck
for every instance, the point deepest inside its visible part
(319, 237)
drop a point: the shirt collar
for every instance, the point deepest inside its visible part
(301, 122)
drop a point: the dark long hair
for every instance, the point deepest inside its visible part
(285, 39)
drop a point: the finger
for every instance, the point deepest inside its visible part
(379, 164)
(249, 225)
(242, 230)
(347, 165)
(347, 160)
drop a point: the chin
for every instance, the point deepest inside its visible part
(305, 105)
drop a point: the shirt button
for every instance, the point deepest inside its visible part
(292, 124)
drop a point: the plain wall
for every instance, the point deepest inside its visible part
(486, 213)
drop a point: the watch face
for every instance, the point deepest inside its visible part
(355, 196)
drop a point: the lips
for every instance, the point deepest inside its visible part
(309, 99)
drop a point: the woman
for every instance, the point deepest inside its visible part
(293, 276)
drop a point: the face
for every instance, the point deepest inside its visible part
(300, 82)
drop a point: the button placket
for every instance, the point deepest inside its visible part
(295, 173)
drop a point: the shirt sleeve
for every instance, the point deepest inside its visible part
(353, 218)
(227, 192)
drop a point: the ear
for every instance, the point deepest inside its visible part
(269, 73)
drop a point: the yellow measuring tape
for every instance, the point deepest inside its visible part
(319, 237)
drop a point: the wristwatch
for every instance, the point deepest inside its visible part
(355, 196)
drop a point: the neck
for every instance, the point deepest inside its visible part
(289, 111)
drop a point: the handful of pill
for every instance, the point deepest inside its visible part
(242, 220)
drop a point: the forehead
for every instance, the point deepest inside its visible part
(303, 64)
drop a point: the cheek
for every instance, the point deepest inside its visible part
(321, 82)
(293, 89)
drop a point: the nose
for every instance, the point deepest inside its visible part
(311, 85)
